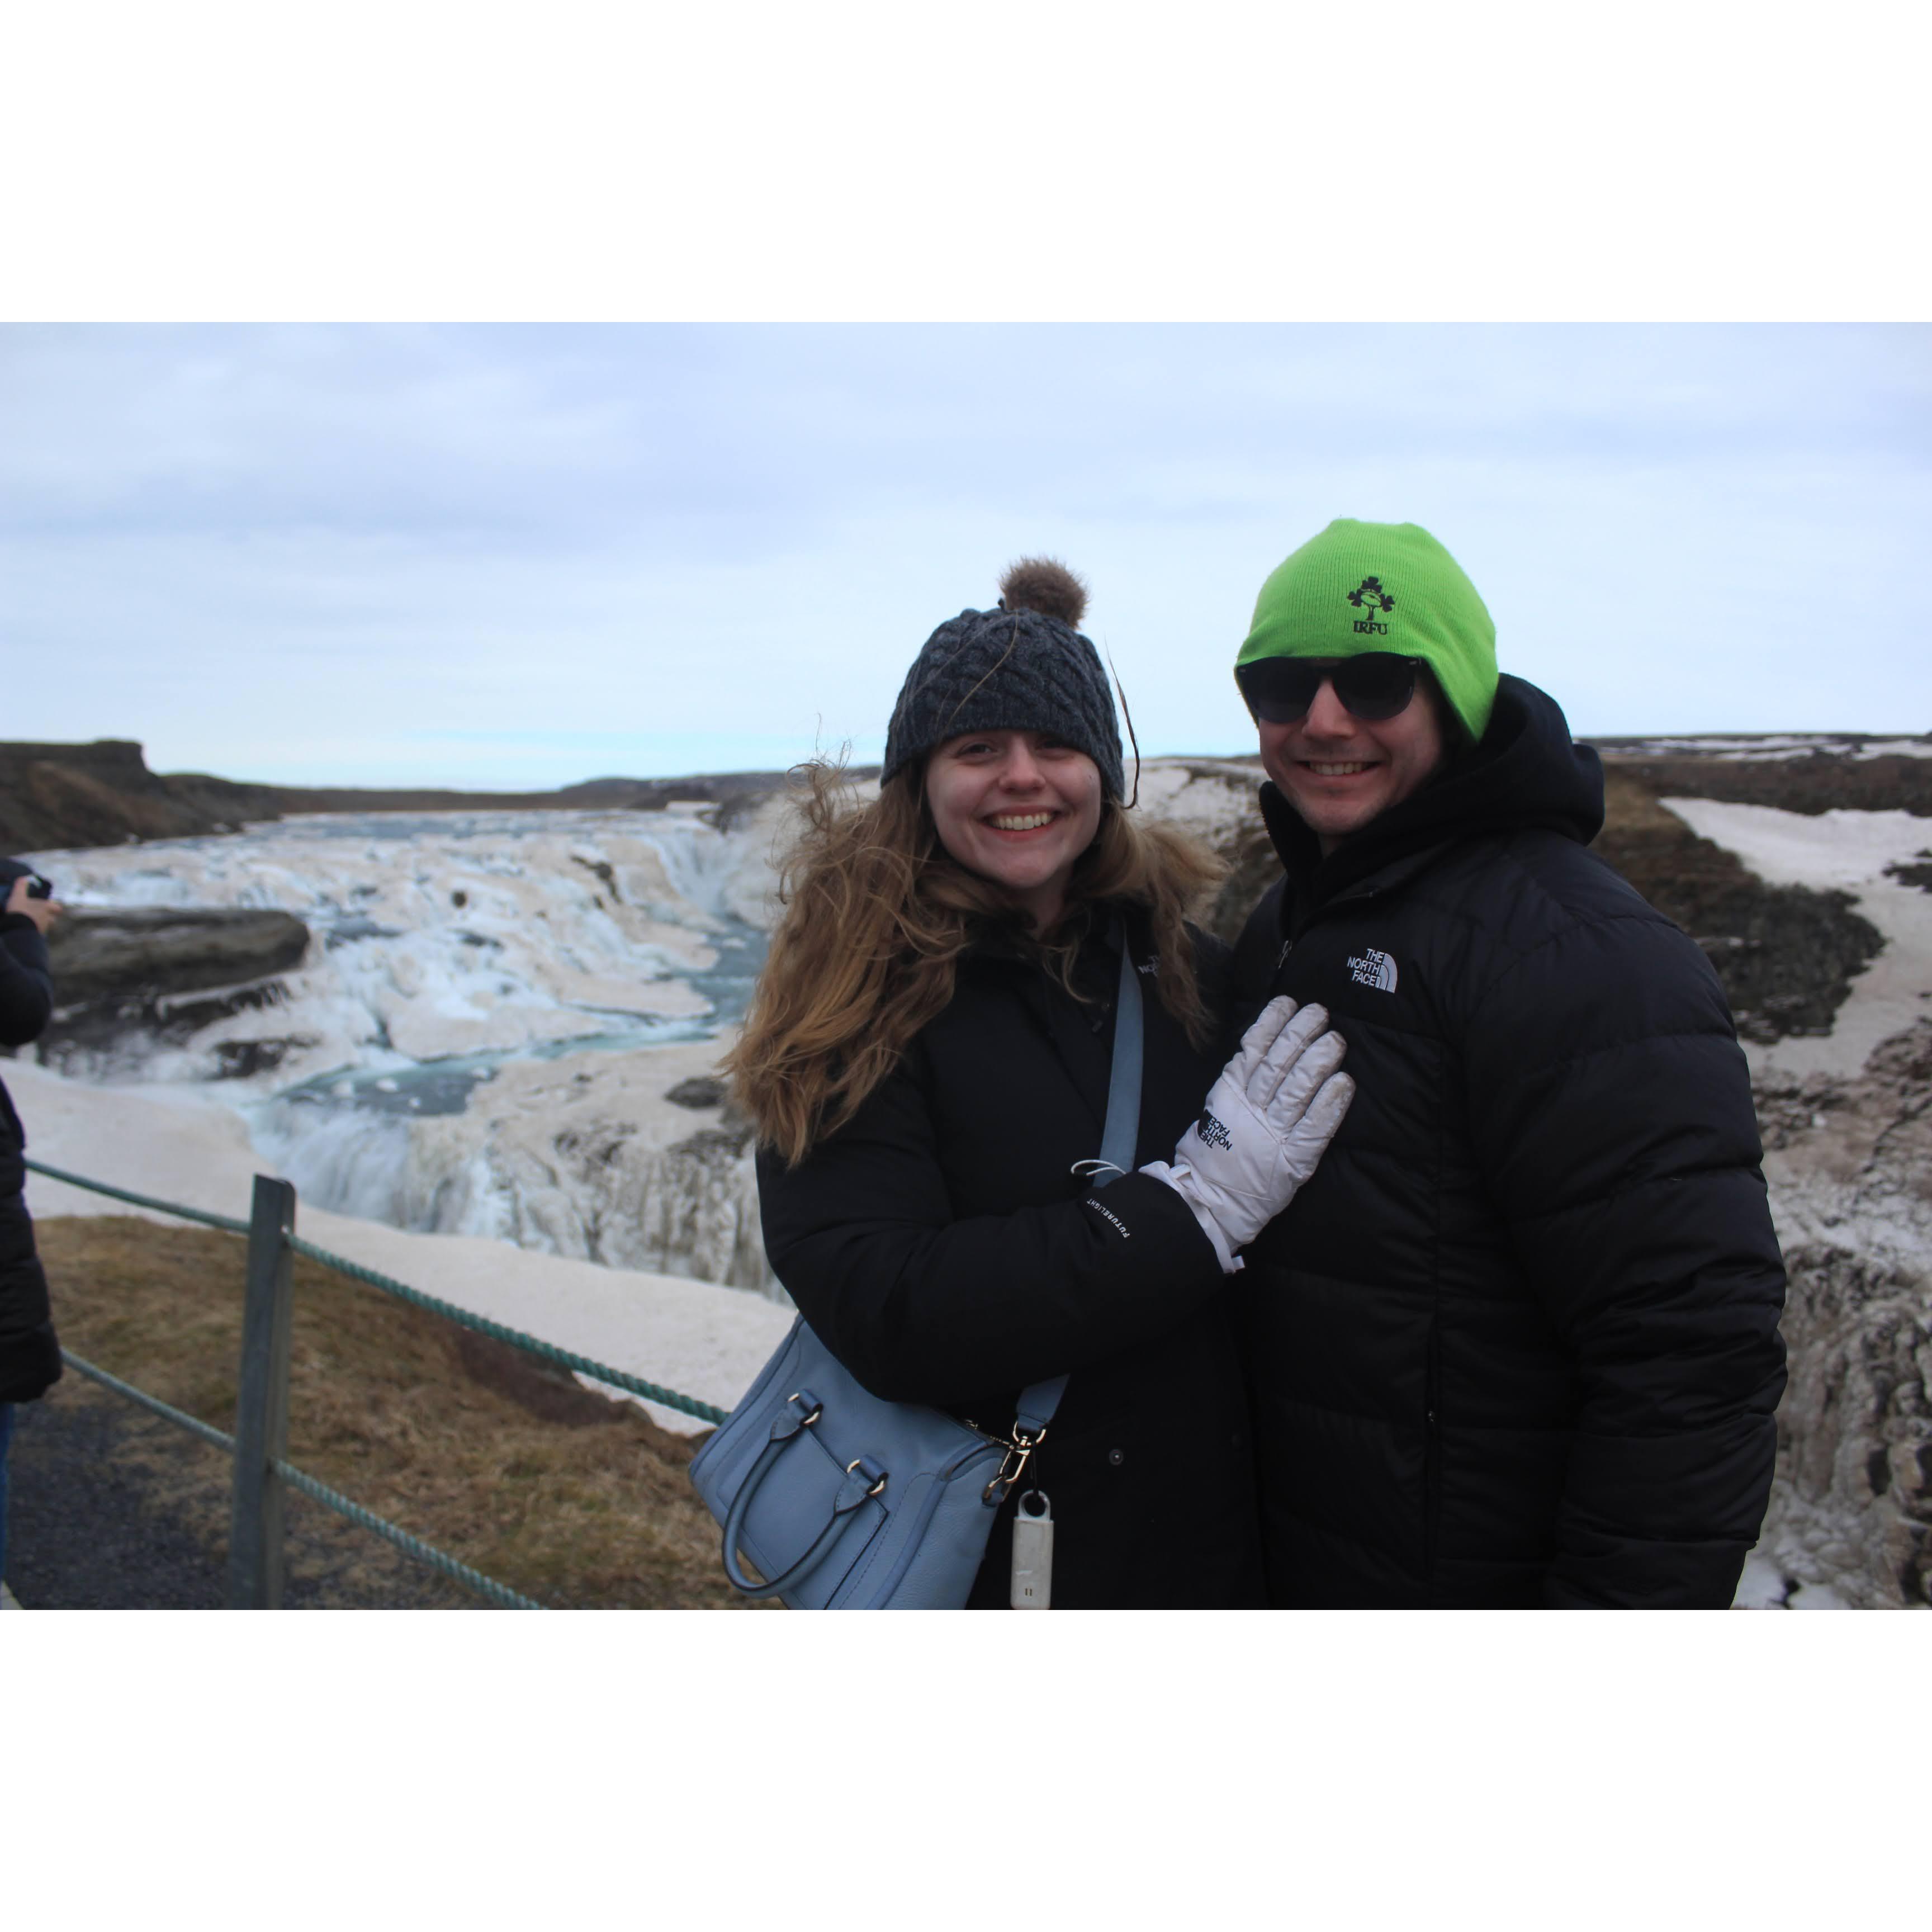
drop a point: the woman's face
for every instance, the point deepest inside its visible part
(1018, 808)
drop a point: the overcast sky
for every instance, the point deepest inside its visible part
(508, 556)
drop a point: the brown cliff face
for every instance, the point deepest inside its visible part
(59, 797)
(55, 796)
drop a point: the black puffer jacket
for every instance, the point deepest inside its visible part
(943, 1250)
(1517, 1341)
(29, 1356)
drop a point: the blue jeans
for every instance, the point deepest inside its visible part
(6, 1436)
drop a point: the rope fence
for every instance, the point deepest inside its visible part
(193, 1424)
(255, 1562)
(226, 1222)
(486, 1587)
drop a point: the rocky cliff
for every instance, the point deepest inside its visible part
(53, 796)
(56, 797)
(163, 974)
(1849, 1163)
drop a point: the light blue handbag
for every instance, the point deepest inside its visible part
(844, 1501)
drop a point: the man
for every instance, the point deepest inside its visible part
(1516, 1343)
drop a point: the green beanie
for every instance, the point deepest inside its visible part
(1381, 587)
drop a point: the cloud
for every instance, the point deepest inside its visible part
(233, 541)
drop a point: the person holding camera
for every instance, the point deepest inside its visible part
(30, 1360)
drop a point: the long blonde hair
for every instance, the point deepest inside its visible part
(876, 913)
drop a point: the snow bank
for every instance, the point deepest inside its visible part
(1843, 851)
(702, 1340)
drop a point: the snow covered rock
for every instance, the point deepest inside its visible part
(1850, 1165)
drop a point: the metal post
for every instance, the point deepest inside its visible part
(262, 1408)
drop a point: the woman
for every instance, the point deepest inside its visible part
(927, 1060)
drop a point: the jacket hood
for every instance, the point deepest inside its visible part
(1527, 773)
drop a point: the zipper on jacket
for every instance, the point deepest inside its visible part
(1355, 896)
(1378, 883)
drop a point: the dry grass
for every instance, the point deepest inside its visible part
(1630, 810)
(509, 1465)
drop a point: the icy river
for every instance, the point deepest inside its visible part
(493, 1013)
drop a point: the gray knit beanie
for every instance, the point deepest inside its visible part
(1022, 667)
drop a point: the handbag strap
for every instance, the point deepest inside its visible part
(1122, 1132)
(1118, 1138)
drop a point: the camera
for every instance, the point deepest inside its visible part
(10, 869)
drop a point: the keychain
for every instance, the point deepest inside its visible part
(1032, 1553)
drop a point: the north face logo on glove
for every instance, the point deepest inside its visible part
(1211, 1131)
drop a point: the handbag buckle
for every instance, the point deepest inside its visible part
(1019, 1447)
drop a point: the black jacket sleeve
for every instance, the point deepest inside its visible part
(26, 987)
(1613, 1120)
(30, 1359)
(922, 1307)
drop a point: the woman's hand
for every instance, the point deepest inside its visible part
(42, 912)
(1267, 1123)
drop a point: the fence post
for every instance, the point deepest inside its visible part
(262, 1408)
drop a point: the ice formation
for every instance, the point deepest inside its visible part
(492, 1010)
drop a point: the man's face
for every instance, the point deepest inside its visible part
(1340, 772)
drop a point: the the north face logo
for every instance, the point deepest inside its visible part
(1373, 969)
(1211, 1131)
(1369, 596)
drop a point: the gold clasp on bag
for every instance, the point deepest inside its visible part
(1019, 1447)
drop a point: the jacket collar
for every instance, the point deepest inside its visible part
(1001, 944)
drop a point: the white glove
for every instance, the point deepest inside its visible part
(1268, 1121)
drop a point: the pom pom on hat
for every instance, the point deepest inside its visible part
(1044, 584)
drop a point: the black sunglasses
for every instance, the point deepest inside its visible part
(1375, 685)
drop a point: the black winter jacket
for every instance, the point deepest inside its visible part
(1517, 1341)
(30, 1360)
(943, 1250)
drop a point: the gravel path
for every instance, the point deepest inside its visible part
(115, 1509)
